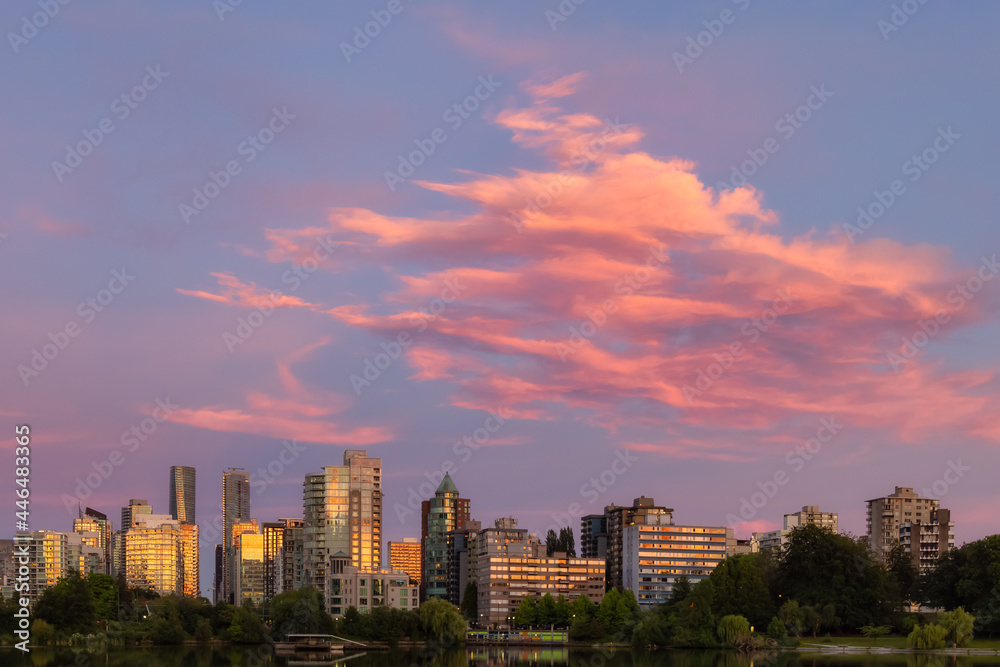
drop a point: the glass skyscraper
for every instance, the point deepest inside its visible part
(235, 509)
(182, 494)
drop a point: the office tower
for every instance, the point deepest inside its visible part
(136, 507)
(511, 564)
(923, 528)
(154, 554)
(642, 511)
(406, 556)
(190, 560)
(461, 559)
(292, 568)
(349, 586)
(444, 512)
(182, 494)
(235, 508)
(248, 567)
(594, 536)
(810, 515)
(656, 553)
(343, 513)
(92, 521)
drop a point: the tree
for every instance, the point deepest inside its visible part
(582, 609)
(203, 630)
(567, 543)
(247, 627)
(958, 626)
(442, 620)
(927, 637)
(563, 612)
(68, 605)
(470, 602)
(681, 589)
(104, 594)
(733, 629)
(791, 615)
(300, 612)
(740, 589)
(776, 630)
(609, 612)
(818, 567)
(526, 612)
(551, 542)
(903, 575)
(546, 611)
(694, 620)
(810, 619)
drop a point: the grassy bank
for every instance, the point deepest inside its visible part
(890, 642)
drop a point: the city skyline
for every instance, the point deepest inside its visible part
(206, 572)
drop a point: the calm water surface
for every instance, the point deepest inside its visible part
(555, 657)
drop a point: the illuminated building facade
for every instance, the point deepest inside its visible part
(154, 555)
(511, 565)
(92, 521)
(406, 556)
(343, 513)
(657, 553)
(190, 560)
(248, 572)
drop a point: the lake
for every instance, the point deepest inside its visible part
(232, 656)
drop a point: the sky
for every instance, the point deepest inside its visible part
(739, 257)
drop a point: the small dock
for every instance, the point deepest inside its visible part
(302, 643)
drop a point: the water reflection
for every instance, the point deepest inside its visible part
(235, 656)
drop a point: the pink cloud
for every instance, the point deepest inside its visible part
(628, 280)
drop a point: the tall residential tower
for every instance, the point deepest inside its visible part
(343, 514)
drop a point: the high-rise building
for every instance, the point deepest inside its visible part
(406, 556)
(235, 509)
(217, 581)
(248, 570)
(594, 536)
(343, 513)
(656, 553)
(282, 556)
(51, 555)
(136, 507)
(291, 555)
(92, 521)
(154, 554)
(510, 564)
(910, 520)
(642, 511)
(182, 494)
(438, 515)
(190, 560)
(810, 515)
(461, 559)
